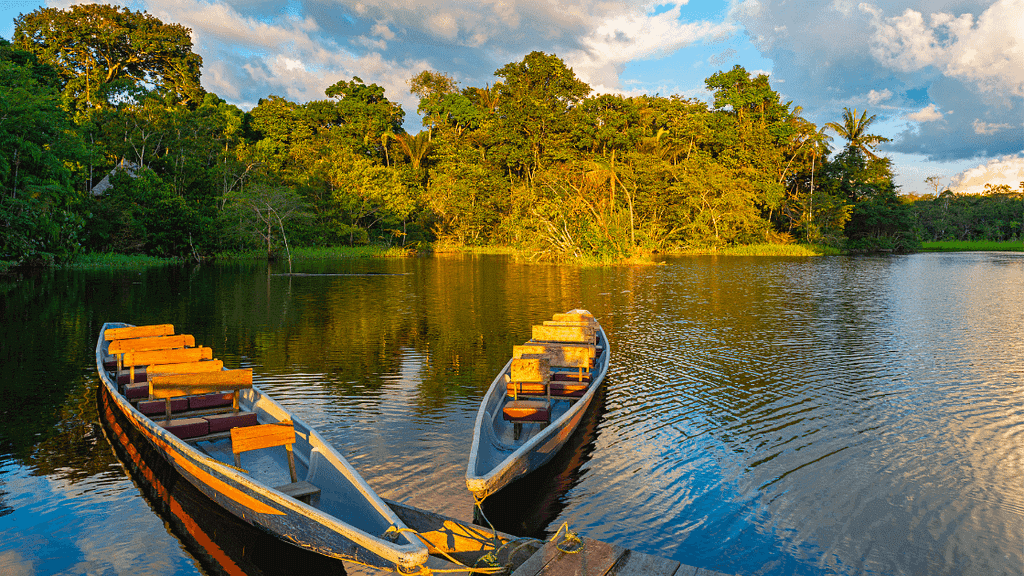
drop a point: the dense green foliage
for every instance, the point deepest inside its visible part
(995, 216)
(534, 162)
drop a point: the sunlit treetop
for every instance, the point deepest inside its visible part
(106, 55)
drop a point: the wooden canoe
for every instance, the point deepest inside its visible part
(536, 401)
(284, 479)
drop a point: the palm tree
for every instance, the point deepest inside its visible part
(415, 147)
(854, 130)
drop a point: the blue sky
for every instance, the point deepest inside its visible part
(944, 77)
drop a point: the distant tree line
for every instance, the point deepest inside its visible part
(995, 215)
(534, 161)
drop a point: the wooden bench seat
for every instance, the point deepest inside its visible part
(138, 331)
(133, 359)
(169, 386)
(527, 411)
(553, 388)
(198, 428)
(185, 428)
(269, 436)
(152, 343)
(567, 334)
(142, 372)
(301, 490)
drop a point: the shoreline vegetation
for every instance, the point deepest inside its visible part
(114, 261)
(115, 146)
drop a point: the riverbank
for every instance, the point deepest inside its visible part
(125, 261)
(973, 246)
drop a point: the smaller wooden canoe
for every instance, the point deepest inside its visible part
(537, 400)
(243, 450)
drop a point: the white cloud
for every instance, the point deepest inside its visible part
(985, 128)
(927, 114)
(1007, 170)
(987, 51)
(877, 97)
(636, 35)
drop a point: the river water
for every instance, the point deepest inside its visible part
(772, 416)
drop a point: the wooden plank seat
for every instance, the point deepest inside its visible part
(119, 337)
(209, 427)
(527, 411)
(186, 427)
(573, 356)
(269, 436)
(153, 343)
(135, 358)
(574, 316)
(142, 372)
(138, 331)
(568, 334)
(168, 386)
(553, 388)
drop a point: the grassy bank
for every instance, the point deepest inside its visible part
(121, 261)
(973, 246)
(766, 250)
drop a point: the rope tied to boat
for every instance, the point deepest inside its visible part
(571, 538)
(425, 571)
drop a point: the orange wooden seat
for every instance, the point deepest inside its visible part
(152, 343)
(527, 411)
(138, 331)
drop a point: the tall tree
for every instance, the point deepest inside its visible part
(855, 131)
(105, 53)
(533, 106)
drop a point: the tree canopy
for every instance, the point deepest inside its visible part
(106, 54)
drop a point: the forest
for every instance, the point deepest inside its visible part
(109, 143)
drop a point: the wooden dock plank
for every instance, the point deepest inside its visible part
(596, 558)
(639, 564)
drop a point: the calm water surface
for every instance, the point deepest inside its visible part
(762, 416)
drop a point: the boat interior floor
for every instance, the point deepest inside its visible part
(268, 465)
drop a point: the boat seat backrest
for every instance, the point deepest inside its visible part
(169, 386)
(559, 355)
(264, 436)
(574, 317)
(213, 365)
(570, 334)
(111, 334)
(152, 343)
(175, 356)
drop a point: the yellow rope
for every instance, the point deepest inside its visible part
(571, 537)
(423, 570)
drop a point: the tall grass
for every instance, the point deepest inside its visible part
(973, 246)
(122, 261)
(767, 250)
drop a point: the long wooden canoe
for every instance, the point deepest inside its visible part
(244, 450)
(537, 400)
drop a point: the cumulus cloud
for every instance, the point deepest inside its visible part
(913, 59)
(877, 97)
(1007, 170)
(986, 50)
(927, 114)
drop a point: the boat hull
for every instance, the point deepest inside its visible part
(257, 504)
(495, 462)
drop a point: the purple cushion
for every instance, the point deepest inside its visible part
(215, 400)
(527, 411)
(225, 422)
(136, 391)
(151, 407)
(140, 375)
(187, 427)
